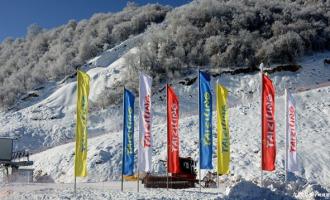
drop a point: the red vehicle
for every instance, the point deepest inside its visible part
(185, 179)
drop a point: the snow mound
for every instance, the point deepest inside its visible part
(101, 77)
(247, 190)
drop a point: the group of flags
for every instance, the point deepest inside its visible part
(145, 140)
(268, 126)
(173, 142)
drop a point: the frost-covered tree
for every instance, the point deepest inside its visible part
(234, 33)
(46, 55)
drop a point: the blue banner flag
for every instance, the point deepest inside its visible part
(128, 134)
(205, 121)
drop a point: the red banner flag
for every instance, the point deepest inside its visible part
(268, 125)
(173, 142)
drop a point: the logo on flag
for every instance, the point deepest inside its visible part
(128, 145)
(205, 121)
(223, 151)
(81, 126)
(173, 131)
(291, 134)
(268, 125)
(145, 137)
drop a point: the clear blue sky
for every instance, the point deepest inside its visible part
(17, 15)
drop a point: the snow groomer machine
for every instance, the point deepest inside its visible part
(186, 178)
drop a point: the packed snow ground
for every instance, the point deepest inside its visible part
(49, 121)
(237, 189)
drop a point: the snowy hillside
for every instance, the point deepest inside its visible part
(50, 122)
(105, 150)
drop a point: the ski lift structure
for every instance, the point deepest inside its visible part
(11, 162)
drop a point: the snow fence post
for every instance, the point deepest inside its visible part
(200, 171)
(167, 134)
(286, 134)
(122, 163)
(261, 89)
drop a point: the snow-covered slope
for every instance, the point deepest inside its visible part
(51, 122)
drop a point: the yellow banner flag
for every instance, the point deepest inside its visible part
(81, 127)
(223, 151)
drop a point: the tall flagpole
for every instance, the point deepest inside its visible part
(75, 185)
(286, 135)
(138, 156)
(199, 110)
(122, 164)
(216, 100)
(261, 106)
(167, 133)
(74, 169)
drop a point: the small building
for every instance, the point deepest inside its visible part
(11, 162)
